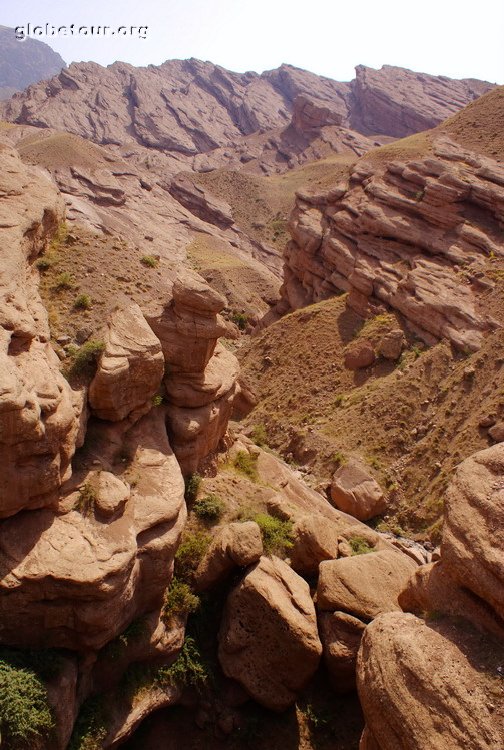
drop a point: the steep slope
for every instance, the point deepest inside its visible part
(24, 62)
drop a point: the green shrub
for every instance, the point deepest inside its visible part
(359, 546)
(87, 499)
(209, 508)
(157, 400)
(240, 319)
(339, 458)
(190, 552)
(43, 264)
(247, 464)
(83, 361)
(189, 668)
(276, 534)
(25, 715)
(91, 726)
(178, 600)
(192, 485)
(83, 302)
(149, 260)
(63, 281)
(259, 435)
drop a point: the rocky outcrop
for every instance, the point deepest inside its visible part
(130, 369)
(364, 585)
(473, 543)
(39, 414)
(235, 545)
(429, 685)
(396, 101)
(355, 491)
(268, 640)
(190, 107)
(201, 376)
(397, 235)
(26, 62)
(83, 575)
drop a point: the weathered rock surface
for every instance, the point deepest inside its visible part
(341, 635)
(315, 539)
(268, 640)
(472, 547)
(429, 686)
(355, 491)
(202, 376)
(397, 235)
(130, 369)
(82, 577)
(359, 355)
(39, 416)
(235, 545)
(397, 101)
(364, 585)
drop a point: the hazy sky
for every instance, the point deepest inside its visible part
(458, 39)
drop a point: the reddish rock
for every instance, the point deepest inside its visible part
(355, 491)
(496, 432)
(359, 355)
(391, 345)
(235, 545)
(341, 635)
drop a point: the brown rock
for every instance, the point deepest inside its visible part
(497, 432)
(472, 547)
(359, 355)
(268, 639)
(391, 345)
(354, 491)
(363, 585)
(315, 539)
(130, 369)
(111, 493)
(235, 545)
(421, 686)
(341, 635)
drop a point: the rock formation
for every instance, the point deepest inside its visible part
(397, 236)
(24, 62)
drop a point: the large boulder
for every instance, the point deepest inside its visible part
(472, 547)
(268, 640)
(341, 635)
(235, 545)
(355, 491)
(364, 585)
(76, 578)
(429, 686)
(315, 539)
(130, 369)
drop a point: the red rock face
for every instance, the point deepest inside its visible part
(397, 235)
(191, 107)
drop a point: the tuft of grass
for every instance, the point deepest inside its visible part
(83, 361)
(246, 464)
(157, 400)
(179, 600)
(83, 302)
(190, 552)
(240, 319)
(259, 435)
(26, 720)
(359, 546)
(339, 458)
(149, 260)
(87, 499)
(192, 485)
(43, 264)
(209, 508)
(276, 534)
(63, 281)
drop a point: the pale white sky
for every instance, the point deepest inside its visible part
(458, 39)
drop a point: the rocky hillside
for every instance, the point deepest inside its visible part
(213, 536)
(24, 62)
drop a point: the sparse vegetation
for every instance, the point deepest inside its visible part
(83, 361)
(87, 499)
(149, 260)
(209, 508)
(25, 715)
(189, 668)
(43, 264)
(83, 302)
(339, 458)
(157, 400)
(179, 600)
(91, 726)
(259, 435)
(276, 534)
(192, 485)
(246, 464)
(191, 550)
(63, 281)
(360, 546)
(133, 632)
(240, 319)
